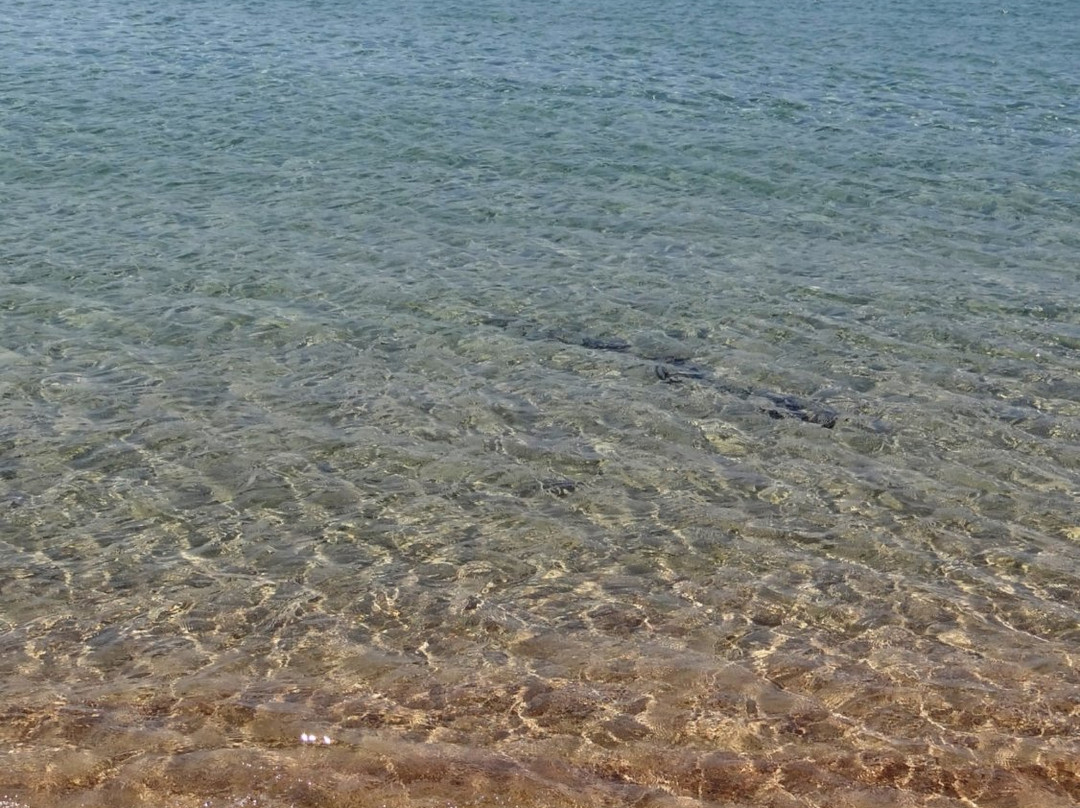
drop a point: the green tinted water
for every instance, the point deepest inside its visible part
(331, 407)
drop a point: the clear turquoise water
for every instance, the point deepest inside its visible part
(330, 403)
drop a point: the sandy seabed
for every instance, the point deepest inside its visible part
(676, 731)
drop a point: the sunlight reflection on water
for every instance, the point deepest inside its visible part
(427, 406)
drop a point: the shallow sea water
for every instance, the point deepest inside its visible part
(454, 383)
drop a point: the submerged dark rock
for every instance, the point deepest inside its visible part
(787, 406)
(674, 370)
(605, 344)
(558, 486)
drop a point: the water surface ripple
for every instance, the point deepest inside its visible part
(420, 404)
